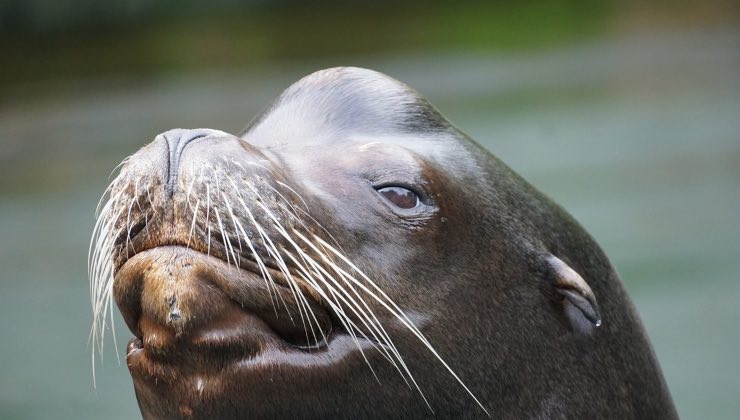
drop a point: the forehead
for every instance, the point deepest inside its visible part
(349, 101)
(407, 157)
(348, 115)
(434, 148)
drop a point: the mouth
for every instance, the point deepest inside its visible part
(192, 311)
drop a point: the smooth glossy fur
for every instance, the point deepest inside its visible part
(274, 274)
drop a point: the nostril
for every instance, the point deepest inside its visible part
(174, 314)
(177, 139)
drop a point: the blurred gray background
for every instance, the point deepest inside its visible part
(626, 113)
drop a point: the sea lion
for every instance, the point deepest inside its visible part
(352, 254)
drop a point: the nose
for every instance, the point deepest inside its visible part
(177, 139)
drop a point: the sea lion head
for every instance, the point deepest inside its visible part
(352, 253)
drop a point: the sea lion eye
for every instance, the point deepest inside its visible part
(400, 197)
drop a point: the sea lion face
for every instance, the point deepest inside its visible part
(351, 253)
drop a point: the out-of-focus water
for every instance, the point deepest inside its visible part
(638, 138)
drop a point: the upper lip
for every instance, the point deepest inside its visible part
(282, 324)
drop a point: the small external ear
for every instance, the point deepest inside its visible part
(579, 301)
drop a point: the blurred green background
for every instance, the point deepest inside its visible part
(625, 112)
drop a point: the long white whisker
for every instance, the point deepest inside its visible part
(233, 218)
(284, 233)
(363, 311)
(336, 307)
(261, 265)
(151, 203)
(284, 185)
(288, 253)
(388, 307)
(192, 224)
(107, 191)
(129, 226)
(227, 240)
(300, 299)
(296, 210)
(192, 183)
(263, 269)
(100, 268)
(382, 298)
(224, 236)
(208, 218)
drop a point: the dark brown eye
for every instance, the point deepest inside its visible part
(400, 197)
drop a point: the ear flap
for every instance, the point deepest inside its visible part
(579, 302)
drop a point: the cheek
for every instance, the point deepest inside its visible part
(368, 231)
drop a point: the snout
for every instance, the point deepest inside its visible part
(193, 271)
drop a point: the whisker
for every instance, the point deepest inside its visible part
(233, 218)
(363, 312)
(276, 234)
(192, 184)
(284, 185)
(263, 269)
(284, 233)
(208, 218)
(192, 225)
(300, 299)
(100, 270)
(339, 311)
(223, 235)
(287, 237)
(388, 307)
(382, 298)
(107, 192)
(129, 226)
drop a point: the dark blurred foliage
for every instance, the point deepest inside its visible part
(44, 17)
(49, 40)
